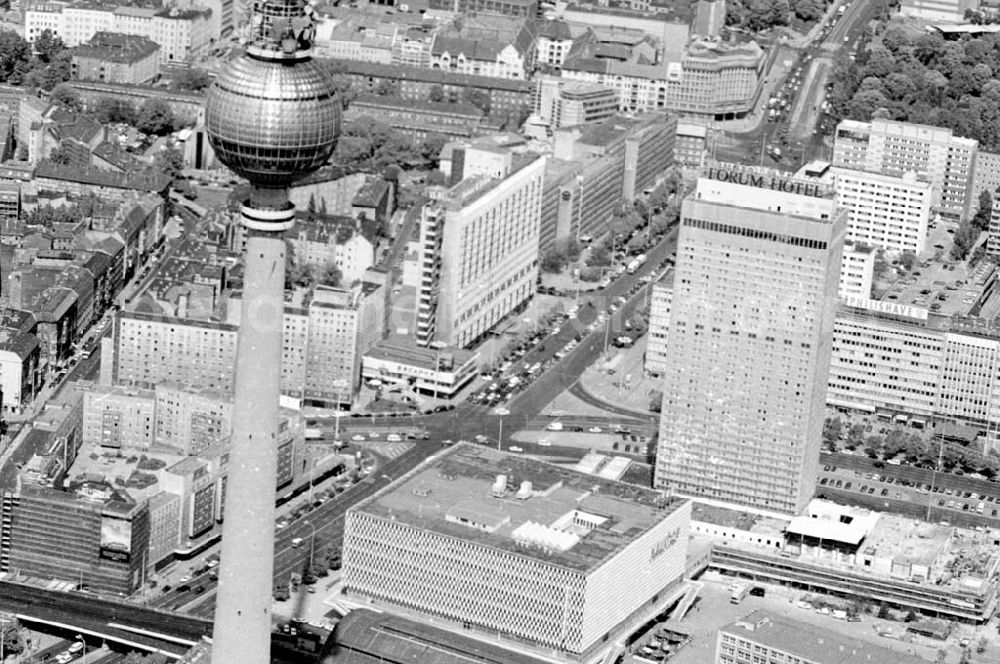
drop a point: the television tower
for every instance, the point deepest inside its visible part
(272, 117)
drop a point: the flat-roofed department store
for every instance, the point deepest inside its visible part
(516, 546)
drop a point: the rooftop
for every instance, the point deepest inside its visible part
(536, 510)
(405, 351)
(812, 643)
(939, 285)
(118, 48)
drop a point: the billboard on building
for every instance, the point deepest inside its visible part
(116, 538)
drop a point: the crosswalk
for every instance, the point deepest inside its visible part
(389, 450)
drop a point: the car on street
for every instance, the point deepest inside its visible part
(357, 438)
(594, 429)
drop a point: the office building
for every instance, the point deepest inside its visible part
(691, 144)
(562, 103)
(885, 211)
(752, 310)
(908, 364)
(894, 148)
(571, 557)
(479, 247)
(765, 636)
(595, 167)
(579, 103)
(93, 535)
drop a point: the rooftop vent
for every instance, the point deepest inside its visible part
(500, 486)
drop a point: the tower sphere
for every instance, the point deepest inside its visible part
(273, 117)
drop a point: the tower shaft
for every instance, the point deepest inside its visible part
(242, 630)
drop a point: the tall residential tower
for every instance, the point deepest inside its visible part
(272, 117)
(751, 319)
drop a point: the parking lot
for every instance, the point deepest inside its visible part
(875, 485)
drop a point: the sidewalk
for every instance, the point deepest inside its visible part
(619, 378)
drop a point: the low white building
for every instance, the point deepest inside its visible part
(437, 372)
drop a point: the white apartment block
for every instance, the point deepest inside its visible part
(119, 417)
(152, 349)
(938, 11)
(344, 324)
(894, 148)
(659, 323)
(993, 232)
(751, 318)
(187, 421)
(986, 177)
(479, 248)
(183, 35)
(857, 271)
(551, 558)
(885, 211)
(191, 420)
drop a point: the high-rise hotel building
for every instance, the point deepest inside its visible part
(751, 320)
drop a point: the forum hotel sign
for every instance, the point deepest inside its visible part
(766, 178)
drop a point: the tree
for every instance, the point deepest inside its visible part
(553, 262)
(600, 256)
(430, 148)
(48, 45)
(192, 79)
(855, 436)
(478, 98)
(908, 260)
(155, 117)
(66, 96)
(833, 429)
(60, 155)
(15, 56)
(436, 94)
(911, 616)
(981, 219)
(170, 162)
(386, 88)
(873, 447)
(964, 240)
(883, 612)
(808, 10)
(329, 275)
(110, 110)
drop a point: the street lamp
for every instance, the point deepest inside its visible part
(79, 637)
